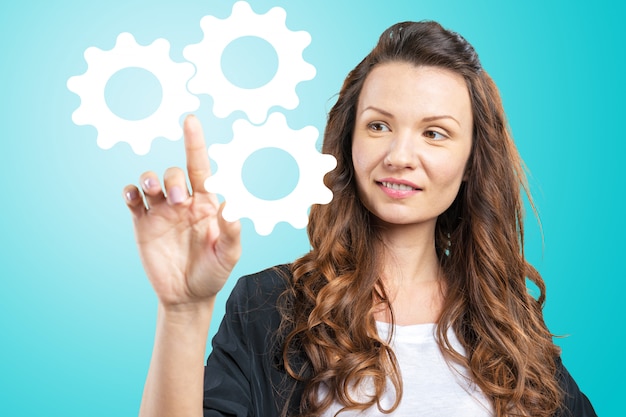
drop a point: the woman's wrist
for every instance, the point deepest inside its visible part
(187, 314)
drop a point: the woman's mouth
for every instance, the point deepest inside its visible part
(397, 186)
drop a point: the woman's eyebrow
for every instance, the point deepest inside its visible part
(425, 119)
(444, 116)
(381, 111)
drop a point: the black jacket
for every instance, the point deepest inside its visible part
(243, 374)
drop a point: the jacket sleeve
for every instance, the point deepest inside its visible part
(227, 371)
(575, 403)
(240, 377)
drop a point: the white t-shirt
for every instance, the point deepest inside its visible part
(432, 387)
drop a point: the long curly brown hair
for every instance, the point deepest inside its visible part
(327, 311)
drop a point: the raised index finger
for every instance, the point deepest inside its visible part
(198, 165)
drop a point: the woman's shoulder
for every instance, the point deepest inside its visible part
(260, 292)
(575, 402)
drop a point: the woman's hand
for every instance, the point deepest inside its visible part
(187, 249)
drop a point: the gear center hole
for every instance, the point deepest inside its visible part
(133, 93)
(249, 62)
(270, 173)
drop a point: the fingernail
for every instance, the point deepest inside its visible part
(131, 195)
(148, 183)
(176, 195)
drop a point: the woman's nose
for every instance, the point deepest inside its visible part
(402, 152)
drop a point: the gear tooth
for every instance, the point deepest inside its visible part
(92, 54)
(309, 72)
(73, 84)
(217, 150)
(277, 120)
(291, 100)
(240, 124)
(141, 147)
(189, 52)
(214, 149)
(329, 162)
(77, 119)
(104, 141)
(80, 117)
(257, 117)
(205, 23)
(220, 109)
(301, 40)
(299, 221)
(312, 134)
(211, 184)
(325, 197)
(194, 104)
(264, 229)
(173, 132)
(125, 39)
(228, 214)
(241, 7)
(278, 14)
(162, 44)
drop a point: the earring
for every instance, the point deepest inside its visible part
(449, 244)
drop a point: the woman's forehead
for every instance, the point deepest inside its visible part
(404, 89)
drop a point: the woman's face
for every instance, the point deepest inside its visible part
(411, 142)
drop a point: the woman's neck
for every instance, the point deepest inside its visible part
(412, 276)
(409, 254)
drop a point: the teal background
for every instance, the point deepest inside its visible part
(77, 313)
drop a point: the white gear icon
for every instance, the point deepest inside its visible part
(275, 133)
(255, 102)
(93, 110)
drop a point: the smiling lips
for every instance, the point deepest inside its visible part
(398, 188)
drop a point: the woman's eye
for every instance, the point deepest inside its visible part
(431, 134)
(378, 127)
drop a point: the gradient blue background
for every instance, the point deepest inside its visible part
(77, 313)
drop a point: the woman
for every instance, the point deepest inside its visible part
(413, 299)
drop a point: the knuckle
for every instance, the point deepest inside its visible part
(173, 173)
